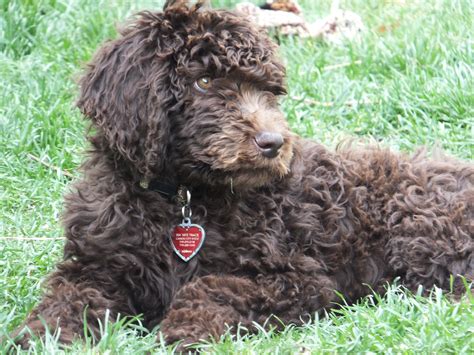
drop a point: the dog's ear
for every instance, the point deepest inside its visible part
(126, 92)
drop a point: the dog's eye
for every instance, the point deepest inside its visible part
(203, 84)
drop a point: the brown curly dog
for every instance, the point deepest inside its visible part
(186, 100)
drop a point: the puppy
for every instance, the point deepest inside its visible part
(200, 210)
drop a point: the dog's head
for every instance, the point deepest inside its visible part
(191, 93)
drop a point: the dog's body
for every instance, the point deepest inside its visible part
(183, 97)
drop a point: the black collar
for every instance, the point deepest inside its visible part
(166, 190)
(171, 191)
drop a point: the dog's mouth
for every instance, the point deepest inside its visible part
(243, 164)
(270, 165)
(257, 172)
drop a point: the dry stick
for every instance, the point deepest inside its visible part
(50, 166)
(342, 65)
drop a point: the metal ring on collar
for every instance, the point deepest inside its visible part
(186, 212)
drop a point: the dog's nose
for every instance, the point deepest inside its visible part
(269, 143)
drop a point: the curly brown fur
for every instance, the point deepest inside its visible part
(291, 231)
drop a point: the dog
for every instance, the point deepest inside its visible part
(200, 210)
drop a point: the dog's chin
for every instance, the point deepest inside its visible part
(260, 175)
(245, 180)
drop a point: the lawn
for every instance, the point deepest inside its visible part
(408, 82)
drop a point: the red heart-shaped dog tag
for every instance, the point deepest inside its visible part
(187, 239)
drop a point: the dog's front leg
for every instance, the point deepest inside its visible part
(208, 306)
(67, 309)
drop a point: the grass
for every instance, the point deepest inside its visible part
(412, 85)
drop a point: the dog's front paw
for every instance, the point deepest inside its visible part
(184, 336)
(26, 334)
(21, 337)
